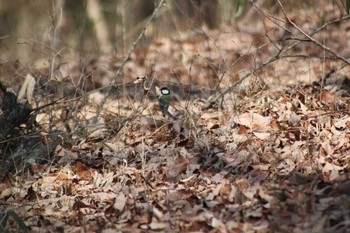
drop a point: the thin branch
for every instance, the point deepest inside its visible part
(199, 30)
(281, 53)
(329, 50)
(119, 71)
(213, 99)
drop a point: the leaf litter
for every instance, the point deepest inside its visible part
(270, 159)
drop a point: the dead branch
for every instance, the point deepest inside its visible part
(280, 54)
(313, 40)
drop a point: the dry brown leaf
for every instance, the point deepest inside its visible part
(328, 99)
(144, 219)
(243, 184)
(294, 119)
(84, 172)
(154, 225)
(258, 175)
(178, 195)
(243, 130)
(188, 179)
(120, 202)
(177, 169)
(225, 190)
(262, 136)
(98, 133)
(79, 205)
(3, 186)
(343, 122)
(115, 147)
(103, 196)
(219, 225)
(157, 213)
(212, 124)
(331, 172)
(276, 141)
(6, 193)
(253, 121)
(303, 108)
(275, 125)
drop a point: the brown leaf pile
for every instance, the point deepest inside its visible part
(268, 159)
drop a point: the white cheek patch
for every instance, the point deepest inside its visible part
(165, 91)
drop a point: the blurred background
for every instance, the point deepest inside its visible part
(39, 36)
(32, 30)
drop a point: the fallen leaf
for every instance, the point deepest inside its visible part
(178, 195)
(253, 120)
(330, 172)
(177, 169)
(262, 136)
(154, 225)
(120, 202)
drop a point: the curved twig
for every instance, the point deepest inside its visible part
(281, 53)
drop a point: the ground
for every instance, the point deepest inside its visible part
(270, 155)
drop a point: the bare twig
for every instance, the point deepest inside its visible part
(280, 54)
(214, 98)
(313, 40)
(119, 71)
(199, 30)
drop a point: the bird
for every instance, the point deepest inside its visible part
(164, 102)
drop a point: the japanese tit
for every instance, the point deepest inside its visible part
(164, 101)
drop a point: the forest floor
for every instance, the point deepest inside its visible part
(271, 155)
